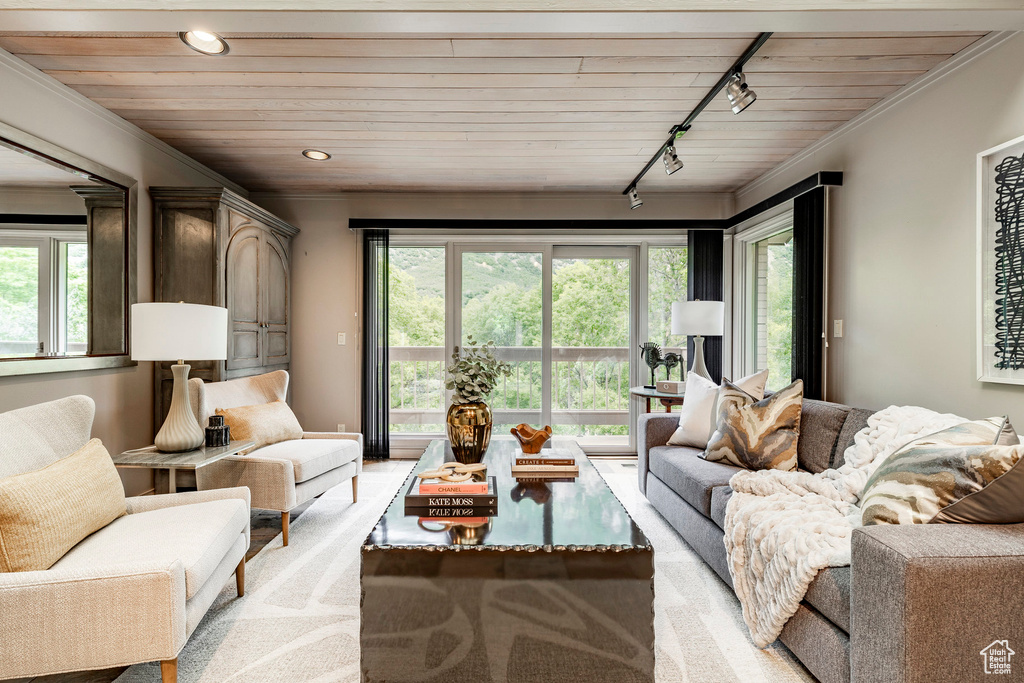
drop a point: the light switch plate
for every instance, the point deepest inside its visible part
(837, 328)
(341, 339)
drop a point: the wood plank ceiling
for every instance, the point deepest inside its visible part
(464, 112)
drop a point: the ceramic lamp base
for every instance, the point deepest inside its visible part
(180, 431)
(698, 366)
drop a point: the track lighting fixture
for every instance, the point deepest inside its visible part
(672, 163)
(740, 96)
(207, 42)
(634, 199)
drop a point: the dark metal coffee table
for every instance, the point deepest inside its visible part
(557, 586)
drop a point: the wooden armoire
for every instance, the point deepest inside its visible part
(211, 246)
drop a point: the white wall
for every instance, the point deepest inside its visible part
(58, 201)
(902, 257)
(325, 273)
(124, 396)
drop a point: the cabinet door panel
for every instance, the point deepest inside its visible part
(244, 275)
(275, 302)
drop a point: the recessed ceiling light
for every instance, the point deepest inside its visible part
(207, 42)
(315, 155)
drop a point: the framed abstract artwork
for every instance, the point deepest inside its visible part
(1001, 263)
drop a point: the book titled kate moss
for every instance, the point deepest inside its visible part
(456, 515)
(415, 499)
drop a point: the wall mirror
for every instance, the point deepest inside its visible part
(67, 259)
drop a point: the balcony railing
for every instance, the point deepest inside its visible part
(590, 386)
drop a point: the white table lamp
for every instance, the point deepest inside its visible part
(167, 331)
(698, 318)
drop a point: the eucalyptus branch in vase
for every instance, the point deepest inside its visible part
(474, 371)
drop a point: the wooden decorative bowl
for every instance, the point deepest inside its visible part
(531, 440)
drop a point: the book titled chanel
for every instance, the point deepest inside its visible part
(416, 499)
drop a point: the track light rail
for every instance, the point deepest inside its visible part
(688, 121)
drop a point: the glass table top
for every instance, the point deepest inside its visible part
(549, 515)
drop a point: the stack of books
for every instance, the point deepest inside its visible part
(549, 465)
(452, 500)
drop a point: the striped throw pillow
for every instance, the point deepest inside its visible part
(969, 474)
(757, 435)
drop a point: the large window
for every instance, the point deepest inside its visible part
(765, 334)
(416, 339)
(567, 318)
(43, 293)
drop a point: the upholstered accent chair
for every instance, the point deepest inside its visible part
(283, 475)
(132, 592)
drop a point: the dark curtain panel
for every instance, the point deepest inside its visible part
(704, 281)
(375, 344)
(809, 291)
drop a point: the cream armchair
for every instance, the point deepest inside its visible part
(283, 475)
(132, 592)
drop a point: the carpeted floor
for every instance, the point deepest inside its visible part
(299, 619)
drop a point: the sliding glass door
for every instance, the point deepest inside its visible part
(502, 297)
(592, 337)
(568, 319)
(564, 318)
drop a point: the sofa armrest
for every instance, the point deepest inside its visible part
(270, 481)
(166, 500)
(351, 436)
(61, 620)
(653, 429)
(927, 599)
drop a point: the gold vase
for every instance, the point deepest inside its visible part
(469, 431)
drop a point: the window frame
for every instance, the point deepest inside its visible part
(744, 287)
(456, 244)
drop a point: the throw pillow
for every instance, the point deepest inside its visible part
(967, 474)
(264, 423)
(758, 435)
(46, 512)
(695, 417)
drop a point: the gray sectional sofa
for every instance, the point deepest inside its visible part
(918, 603)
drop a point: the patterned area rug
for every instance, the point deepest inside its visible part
(299, 619)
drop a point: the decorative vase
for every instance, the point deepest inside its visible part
(469, 431)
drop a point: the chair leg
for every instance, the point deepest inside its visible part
(169, 670)
(240, 577)
(285, 518)
(355, 488)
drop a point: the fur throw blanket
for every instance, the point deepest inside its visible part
(781, 527)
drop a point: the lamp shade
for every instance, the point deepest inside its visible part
(167, 331)
(705, 318)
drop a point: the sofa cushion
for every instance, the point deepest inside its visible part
(720, 496)
(967, 474)
(197, 535)
(44, 513)
(856, 420)
(820, 424)
(758, 435)
(689, 475)
(829, 593)
(263, 423)
(312, 457)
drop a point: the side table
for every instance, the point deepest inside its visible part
(667, 400)
(150, 458)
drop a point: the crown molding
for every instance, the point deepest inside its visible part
(951, 65)
(27, 71)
